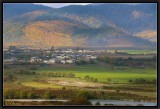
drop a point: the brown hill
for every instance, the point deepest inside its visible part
(50, 33)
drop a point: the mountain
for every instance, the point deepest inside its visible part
(134, 18)
(105, 25)
(11, 10)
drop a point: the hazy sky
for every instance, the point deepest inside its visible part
(58, 5)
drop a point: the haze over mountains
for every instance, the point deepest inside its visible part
(102, 25)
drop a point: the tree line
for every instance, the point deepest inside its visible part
(134, 62)
(142, 81)
(57, 74)
(91, 79)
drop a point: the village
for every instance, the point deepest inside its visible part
(24, 55)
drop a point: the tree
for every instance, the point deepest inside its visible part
(87, 77)
(116, 51)
(47, 95)
(130, 81)
(23, 94)
(78, 101)
(6, 94)
(10, 77)
(33, 73)
(154, 81)
(30, 95)
(140, 81)
(71, 75)
(52, 49)
(97, 103)
(92, 61)
(95, 80)
(118, 62)
(109, 80)
(9, 94)
(63, 88)
(12, 48)
(84, 94)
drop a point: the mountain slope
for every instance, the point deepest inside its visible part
(134, 18)
(72, 26)
(11, 10)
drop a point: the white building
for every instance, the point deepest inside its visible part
(59, 57)
(63, 61)
(80, 51)
(48, 51)
(93, 57)
(35, 59)
(46, 61)
(52, 61)
(69, 61)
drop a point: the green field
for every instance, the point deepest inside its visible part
(139, 51)
(117, 88)
(103, 73)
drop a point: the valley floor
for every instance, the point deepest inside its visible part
(111, 84)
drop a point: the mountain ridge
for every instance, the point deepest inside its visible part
(89, 29)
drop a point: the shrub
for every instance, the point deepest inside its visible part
(30, 95)
(97, 103)
(78, 101)
(63, 88)
(109, 80)
(140, 105)
(47, 95)
(23, 95)
(142, 81)
(84, 94)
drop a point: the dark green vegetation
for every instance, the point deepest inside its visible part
(78, 101)
(135, 63)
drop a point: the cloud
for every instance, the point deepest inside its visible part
(59, 5)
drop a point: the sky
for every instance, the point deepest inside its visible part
(59, 5)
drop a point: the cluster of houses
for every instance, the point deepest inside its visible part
(77, 51)
(62, 58)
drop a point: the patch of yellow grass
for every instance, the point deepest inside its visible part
(40, 85)
(148, 34)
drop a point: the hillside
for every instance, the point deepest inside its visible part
(41, 26)
(11, 10)
(131, 17)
